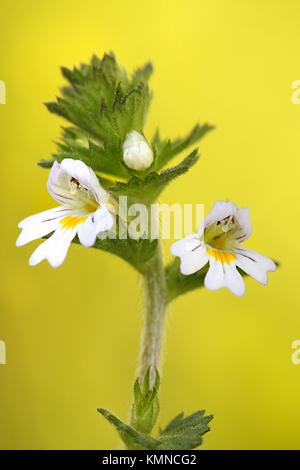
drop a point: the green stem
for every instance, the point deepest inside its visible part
(155, 305)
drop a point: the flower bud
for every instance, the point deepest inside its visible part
(137, 153)
(145, 408)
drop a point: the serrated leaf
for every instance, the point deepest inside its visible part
(185, 432)
(186, 435)
(103, 104)
(180, 423)
(78, 145)
(136, 252)
(133, 439)
(181, 433)
(166, 149)
(142, 74)
(93, 156)
(147, 190)
(173, 423)
(137, 190)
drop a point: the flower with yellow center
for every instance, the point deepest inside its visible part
(83, 212)
(218, 242)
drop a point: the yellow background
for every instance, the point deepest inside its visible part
(72, 334)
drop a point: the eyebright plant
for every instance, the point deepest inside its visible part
(102, 155)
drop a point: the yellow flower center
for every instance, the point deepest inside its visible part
(222, 256)
(71, 221)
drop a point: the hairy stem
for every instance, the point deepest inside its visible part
(155, 305)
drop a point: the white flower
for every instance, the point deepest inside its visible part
(137, 153)
(218, 242)
(83, 211)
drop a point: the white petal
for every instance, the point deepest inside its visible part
(87, 232)
(194, 261)
(233, 280)
(104, 219)
(243, 218)
(220, 211)
(267, 263)
(85, 175)
(54, 249)
(35, 231)
(100, 221)
(58, 186)
(186, 244)
(60, 247)
(41, 252)
(214, 278)
(224, 275)
(192, 253)
(254, 264)
(50, 214)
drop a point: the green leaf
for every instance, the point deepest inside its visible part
(166, 149)
(180, 434)
(142, 74)
(103, 104)
(136, 252)
(134, 440)
(178, 284)
(147, 190)
(185, 433)
(44, 163)
(145, 408)
(102, 160)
